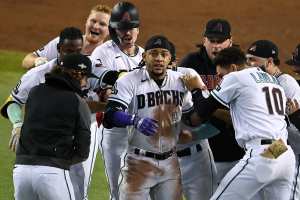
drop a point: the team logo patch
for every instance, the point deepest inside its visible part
(99, 63)
(157, 42)
(218, 28)
(126, 17)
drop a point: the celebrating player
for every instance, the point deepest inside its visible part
(120, 54)
(260, 128)
(96, 31)
(217, 36)
(264, 54)
(150, 101)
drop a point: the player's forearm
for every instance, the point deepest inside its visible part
(14, 112)
(29, 60)
(204, 107)
(119, 119)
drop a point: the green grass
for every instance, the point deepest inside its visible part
(11, 71)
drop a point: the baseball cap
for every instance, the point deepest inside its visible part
(78, 62)
(158, 41)
(295, 60)
(263, 49)
(218, 28)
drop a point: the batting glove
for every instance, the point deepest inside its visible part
(15, 136)
(146, 125)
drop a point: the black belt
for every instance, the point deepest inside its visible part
(266, 141)
(157, 156)
(188, 151)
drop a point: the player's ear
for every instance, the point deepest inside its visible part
(234, 67)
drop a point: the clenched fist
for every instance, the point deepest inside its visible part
(193, 82)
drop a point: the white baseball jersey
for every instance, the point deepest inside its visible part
(31, 78)
(292, 91)
(110, 56)
(257, 104)
(48, 51)
(143, 97)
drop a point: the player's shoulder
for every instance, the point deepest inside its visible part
(42, 69)
(133, 75)
(187, 71)
(104, 48)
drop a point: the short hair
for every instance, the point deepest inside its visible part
(228, 56)
(70, 33)
(101, 8)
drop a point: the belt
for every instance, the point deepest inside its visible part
(188, 151)
(257, 142)
(157, 156)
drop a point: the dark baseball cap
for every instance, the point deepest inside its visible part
(218, 28)
(158, 41)
(295, 60)
(78, 62)
(263, 49)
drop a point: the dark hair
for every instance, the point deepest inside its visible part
(276, 61)
(228, 56)
(70, 33)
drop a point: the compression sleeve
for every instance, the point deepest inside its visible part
(14, 112)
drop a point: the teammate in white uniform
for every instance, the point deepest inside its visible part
(197, 166)
(120, 53)
(96, 31)
(152, 99)
(256, 57)
(257, 105)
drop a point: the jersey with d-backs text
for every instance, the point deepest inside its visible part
(31, 78)
(292, 91)
(143, 97)
(257, 104)
(48, 51)
(110, 56)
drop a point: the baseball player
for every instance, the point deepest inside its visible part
(121, 54)
(257, 57)
(150, 102)
(198, 170)
(257, 105)
(96, 31)
(53, 139)
(217, 36)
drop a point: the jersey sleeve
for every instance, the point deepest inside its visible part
(101, 57)
(227, 90)
(20, 92)
(100, 73)
(187, 104)
(122, 91)
(291, 87)
(48, 51)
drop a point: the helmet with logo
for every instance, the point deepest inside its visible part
(124, 15)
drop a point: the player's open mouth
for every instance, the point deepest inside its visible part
(94, 33)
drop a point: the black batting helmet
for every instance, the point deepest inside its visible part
(124, 15)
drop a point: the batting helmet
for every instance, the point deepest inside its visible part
(124, 15)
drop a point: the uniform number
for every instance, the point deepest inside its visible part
(276, 95)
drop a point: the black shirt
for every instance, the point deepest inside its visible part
(223, 145)
(56, 128)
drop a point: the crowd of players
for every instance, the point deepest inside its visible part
(209, 154)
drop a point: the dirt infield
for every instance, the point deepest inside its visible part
(26, 25)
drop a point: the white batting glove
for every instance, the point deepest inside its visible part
(15, 136)
(39, 61)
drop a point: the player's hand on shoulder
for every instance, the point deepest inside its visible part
(292, 106)
(15, 136)
(40, 61)
(193, 82)
(145, 125)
